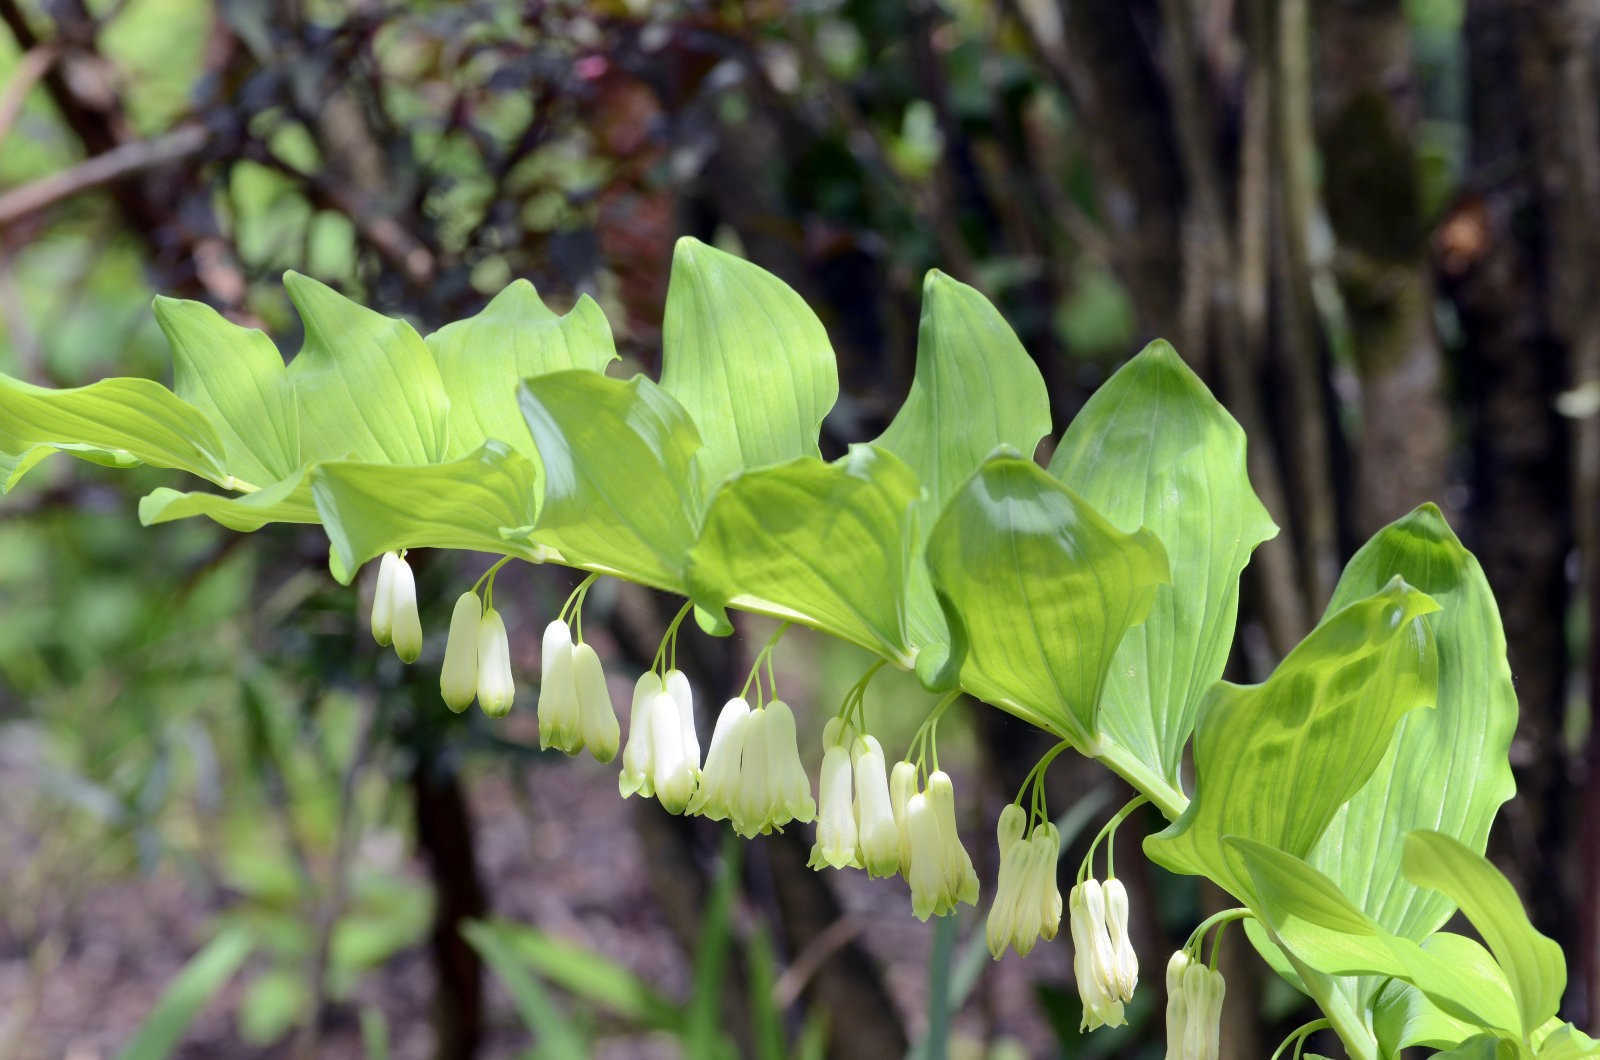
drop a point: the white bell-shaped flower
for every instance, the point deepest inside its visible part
(877, 834)
(1177, 1007)
(1002, 928)
(1203, 991)
(682, 694)
(496, 689)
(673, 772)
(597, 718)
(638, 761)
(836, 817)
(773, 786)
(458, 677)
(1093, 957)
(1125, 963)
(1047, 846)
(560, 722)
(902, 786)
(394, 608)
(720, 779)
(927, 858)
(961, 880)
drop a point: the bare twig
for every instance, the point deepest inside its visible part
(33, 65)
(119, 163)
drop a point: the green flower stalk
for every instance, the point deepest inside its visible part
(458, 677)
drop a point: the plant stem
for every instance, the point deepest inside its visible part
(1123, 762)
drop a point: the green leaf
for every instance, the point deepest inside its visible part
(288, 500)
(482, 359)
(369, 509)
(116, 422)
(366, 385)
(206, 973)
(1274, 761)
(586, 974)
(620, 495)
(1481, 1047)
(1403, 1016)
(975, 389)
(558, 1037)
(1311, 919)
(1447, 768)
(825, 545)
(1533, 963)
(1567, 1042)
(235, 376)
(1152, 448)
(748, 360)
(1039, 590)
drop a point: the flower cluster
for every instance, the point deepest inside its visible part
(939, 870)
(753, 777)
(1103, 961)
(856, 827)
(477, 659)
(1027, 902)
(394, 608)
(1194, 1009)
(575, 708)
(662, 757)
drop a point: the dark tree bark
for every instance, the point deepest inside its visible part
(444, 835)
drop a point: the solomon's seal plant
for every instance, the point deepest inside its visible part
(1344, 802)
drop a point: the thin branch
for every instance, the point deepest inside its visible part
(33, 65)
(114, 165)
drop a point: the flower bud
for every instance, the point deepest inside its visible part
(383, 601)
(1203, 992)
(458, 677)
(1177, 1006)
(597, 718)
(496, 689)
(791, 787)
(877, 834)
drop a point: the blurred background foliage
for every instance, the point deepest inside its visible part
(232, 826)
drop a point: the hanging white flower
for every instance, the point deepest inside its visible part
(1027, 902)
(1093, 957)
(836, 821)
(902, 786)
(773, 786)
(638, 759)
(597, 717)
(496, 689)
(1124, 971)
(394, 608)
(877, 833)
(720, 778)
(458, 677)
(560, 722)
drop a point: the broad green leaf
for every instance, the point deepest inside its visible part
(369, 509)
(116, 422)
(748, 360)
(236, 377)
(1403, 1016)
(286, 501)
(1312, 920)
(366, 385)
(1152, 448)
(1274, 761)
(1447, 769)
(825, 545)
(586, 974)
(1481, 1047)
(975, 389)
(1567, 1042)
(1533, 963)
(482, 359)
(620, 496)
(558, 1037)
(200, 980)
(1038, 589)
